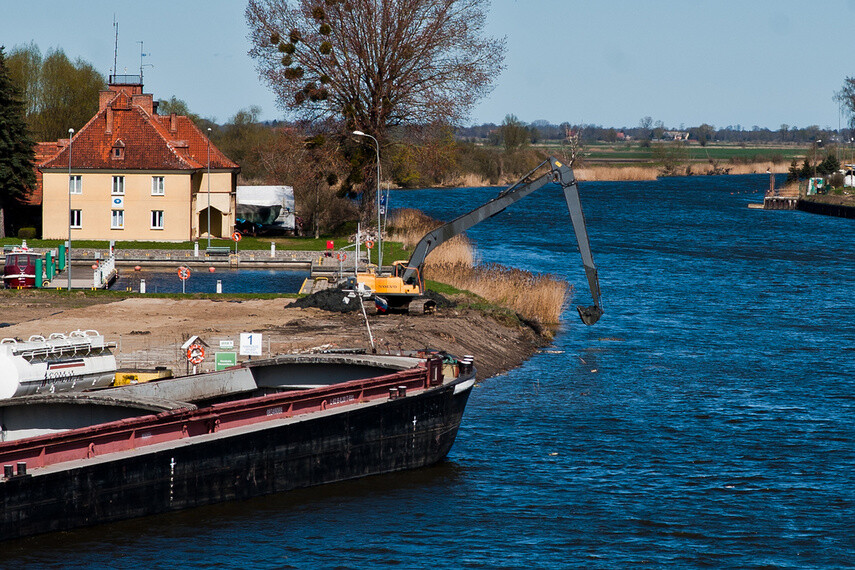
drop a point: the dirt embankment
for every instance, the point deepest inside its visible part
(149, 331)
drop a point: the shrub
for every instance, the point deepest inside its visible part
(27, 233)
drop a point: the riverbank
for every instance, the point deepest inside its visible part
(150, 331)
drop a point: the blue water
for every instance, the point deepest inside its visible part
(203, 281)
(706, 420)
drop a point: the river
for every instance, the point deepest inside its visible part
(706, 420)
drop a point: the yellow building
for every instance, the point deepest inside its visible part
(136, 175)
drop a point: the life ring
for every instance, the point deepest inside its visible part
(342, 256)
(196, 353)
(237, 236)
(183, 273)
(369, 244)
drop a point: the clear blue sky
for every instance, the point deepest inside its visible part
(607, 62)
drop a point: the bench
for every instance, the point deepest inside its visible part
(218, 250)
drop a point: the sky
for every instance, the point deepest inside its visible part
(606, 62)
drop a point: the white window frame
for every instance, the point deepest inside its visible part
(117, 219)
(118, 188)
(76, 219)
(157, 216)
(75, 184)
(158, 186)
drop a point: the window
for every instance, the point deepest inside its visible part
(117, 221)
(118, 150)
(75, 185)
(76, 219)
(118, 185)
(157, 219)
(157, 186)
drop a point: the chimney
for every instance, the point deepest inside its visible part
(104, 98)
(144, 101)
(109, 113)
(173, 123)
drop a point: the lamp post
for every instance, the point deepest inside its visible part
(379, 227)
(209, 187)
(68, 257)
(815, 149)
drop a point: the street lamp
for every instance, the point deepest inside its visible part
(68, 257)
(815, 149)
(379, 227)
(209, 188)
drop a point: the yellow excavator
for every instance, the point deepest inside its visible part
(403, 288)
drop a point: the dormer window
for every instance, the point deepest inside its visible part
(118, 152)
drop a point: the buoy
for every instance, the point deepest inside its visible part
(137, 268)
(211, 269)
(94, 266)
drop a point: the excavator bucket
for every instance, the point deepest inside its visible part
(590, 315)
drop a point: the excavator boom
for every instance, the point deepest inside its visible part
(558, 173)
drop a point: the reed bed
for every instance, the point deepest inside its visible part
(534, 297)
(540, 298)
(616, 173)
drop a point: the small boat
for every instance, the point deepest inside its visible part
(75, 459)
(20, 268)
(80, 360)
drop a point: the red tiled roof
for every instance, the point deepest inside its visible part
(146, 139)
(43, 151)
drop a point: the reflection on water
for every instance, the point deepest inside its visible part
(203, 281)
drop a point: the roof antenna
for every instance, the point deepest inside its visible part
(115, 49)
(142, 55)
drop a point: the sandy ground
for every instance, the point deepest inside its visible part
(150, 331)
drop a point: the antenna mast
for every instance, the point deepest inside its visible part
(142, 55)
(116, 46)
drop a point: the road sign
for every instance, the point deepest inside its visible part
(250, 344)
(223, 360)
(227, 344)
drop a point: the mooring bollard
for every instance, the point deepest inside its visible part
(196, 249)
(272, 249)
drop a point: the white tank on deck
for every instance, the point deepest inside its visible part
(78, 361)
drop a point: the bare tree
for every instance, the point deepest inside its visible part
(375, 64)
(309, 165)
(846, 98)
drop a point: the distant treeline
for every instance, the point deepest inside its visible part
(543, 131)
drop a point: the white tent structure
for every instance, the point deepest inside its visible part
(267, 205)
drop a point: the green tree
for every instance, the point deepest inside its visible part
(375, 64)
(513, 134)
(179, 107)
(704, 134)
(58, 93)
(17, 174)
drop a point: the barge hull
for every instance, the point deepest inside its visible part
(334, 445)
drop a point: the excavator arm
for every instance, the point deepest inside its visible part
(558, 173)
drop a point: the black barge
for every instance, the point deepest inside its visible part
(73, 460)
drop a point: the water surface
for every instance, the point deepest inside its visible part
(706, 420)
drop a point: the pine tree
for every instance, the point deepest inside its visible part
(17, 155)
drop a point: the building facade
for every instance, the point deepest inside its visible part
(131, 174)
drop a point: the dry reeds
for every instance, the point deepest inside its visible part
(616, 173)
(534, 297)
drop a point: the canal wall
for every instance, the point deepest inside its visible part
(826, 209)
